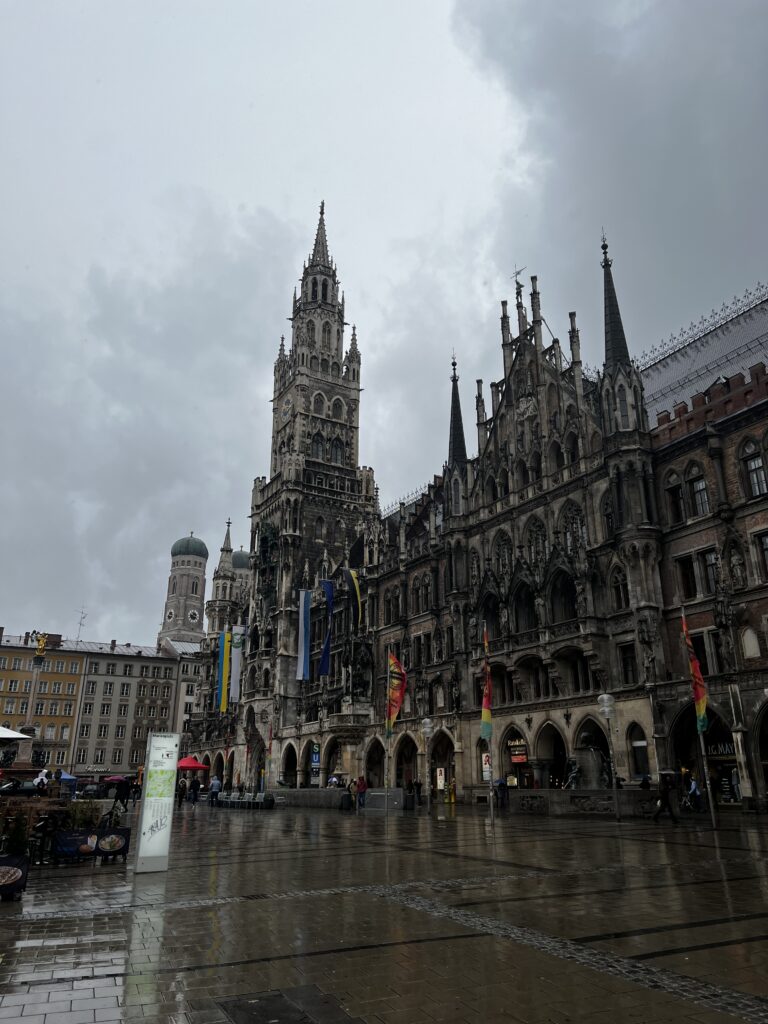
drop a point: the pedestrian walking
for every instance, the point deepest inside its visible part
(181, 791)
(135, 791)
(736, 785)
(663, 803)
(214, 790)
(694, 794)
(194, 790)
(417, 787)
(362, 789)
(122, 792)
(352, 790)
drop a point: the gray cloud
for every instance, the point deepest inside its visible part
(643, 116)
(140, 416)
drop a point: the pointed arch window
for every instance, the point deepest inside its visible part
(573, 527)
(619, 590)
(338, 409)
(415, 598)
(173, 585)
(311, 332)
(426, 593)
(318, 405)
(754, 470)
(623, 407)
(337, 452)
(319, 528)
(195, 586)
(318, 447)
(536, 541)
(314, 289)
(325, 291)
(456, 497)
(326, 335)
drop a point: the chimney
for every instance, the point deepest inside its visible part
(112, 644)
(26, 639)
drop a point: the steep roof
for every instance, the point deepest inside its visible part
(729, 341)
(616, 351)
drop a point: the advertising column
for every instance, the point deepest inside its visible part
(157, 802)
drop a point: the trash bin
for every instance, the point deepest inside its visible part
(346, 802)
(409, 802)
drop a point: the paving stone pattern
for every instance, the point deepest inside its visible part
(315, 917)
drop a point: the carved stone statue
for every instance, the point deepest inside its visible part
(541, 610)
(738, 572)
(504, 620)
(581, 599)
(473, 634)
(474, 574)
(649, 666)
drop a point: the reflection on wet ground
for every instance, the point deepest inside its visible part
(317, 916)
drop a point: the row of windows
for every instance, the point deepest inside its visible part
(105, 710)
(42, 687)
(107, 689)
(50, 729)
(145, 671)
(194, 588)
(103, 732)
(17, 664)
(332, 451)
(320, 405)
(54, 707)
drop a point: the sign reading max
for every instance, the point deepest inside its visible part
(157, 802)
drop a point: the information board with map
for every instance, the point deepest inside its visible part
(157, 800)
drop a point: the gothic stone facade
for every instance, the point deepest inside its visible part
(573, 538)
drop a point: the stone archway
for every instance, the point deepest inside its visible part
(255, 761)
(442, 766)
(591, 753)
(309, 765)
(406, 762)
(514, 764)
(288, 772)
(218, 767)
(721, 753)
(333, 762)
(550, 765)
(374, 764)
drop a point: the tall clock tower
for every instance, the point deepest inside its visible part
(307, 515)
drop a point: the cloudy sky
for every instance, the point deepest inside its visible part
(162, 168)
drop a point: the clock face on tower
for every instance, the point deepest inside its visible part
(287, 408)
(193, 616)
(169, 616)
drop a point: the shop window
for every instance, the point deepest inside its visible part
(638, 751)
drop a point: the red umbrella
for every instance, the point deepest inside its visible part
(115, 778)
(191, 764)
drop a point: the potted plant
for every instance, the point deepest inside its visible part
(14, 862)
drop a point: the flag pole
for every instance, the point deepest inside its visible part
(387, 751)
(707, 783)
(702, 745)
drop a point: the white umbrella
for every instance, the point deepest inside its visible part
(9, 734)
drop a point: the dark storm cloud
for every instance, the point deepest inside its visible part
(647, 118)
(141, 415)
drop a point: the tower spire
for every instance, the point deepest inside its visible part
(225, 560)
(457, 448)
(320, 255)
(616, 351)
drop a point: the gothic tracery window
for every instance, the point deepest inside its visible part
(318, 405)
(326, 339)
(619, 590)
(536, 541)
(573, 527)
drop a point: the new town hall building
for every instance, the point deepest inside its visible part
(597, 505)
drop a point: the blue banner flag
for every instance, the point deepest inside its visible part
(325, 658)
(302, 664)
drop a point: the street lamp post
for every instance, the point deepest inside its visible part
(427, 728)
(607, 706)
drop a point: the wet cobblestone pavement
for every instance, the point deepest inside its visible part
(299, 916)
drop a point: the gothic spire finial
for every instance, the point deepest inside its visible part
(616, 351)
(457, 447)
(320, 252)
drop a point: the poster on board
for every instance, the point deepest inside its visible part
(157, 800)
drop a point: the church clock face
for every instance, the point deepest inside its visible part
(193, 616)
(287, 408)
